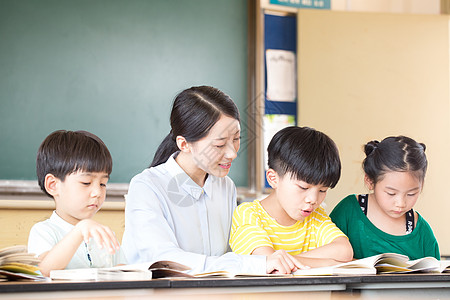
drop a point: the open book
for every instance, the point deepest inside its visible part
(144, 271)
(386, 263)
(17, 264)
(170, 269)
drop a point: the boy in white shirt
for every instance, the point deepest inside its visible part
(73, 168)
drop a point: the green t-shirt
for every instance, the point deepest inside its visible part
(367, 240)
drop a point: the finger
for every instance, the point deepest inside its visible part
(83, 228)
(274, 264)
(299, 265)
(283, 266)
(294, 262)
(304, 267)
(290, 261)
(108, 239)
(286, 261)
(115, 241)
(112, 239)
(86, 235)
(97, 237)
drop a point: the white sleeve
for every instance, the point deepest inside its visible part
(119, 258)
(148, 237)
(236, 264)
(41, 239)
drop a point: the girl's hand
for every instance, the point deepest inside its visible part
(103, 235)
(281, 262)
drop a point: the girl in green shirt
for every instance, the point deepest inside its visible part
(384, 220)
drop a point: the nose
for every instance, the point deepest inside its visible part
(96, 191)
(230, 152)
(400, 201)
(312, 197)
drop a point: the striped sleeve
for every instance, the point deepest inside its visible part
(327, 231)
(247, 233)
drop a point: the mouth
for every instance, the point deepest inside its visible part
(93, 206)
(225, 165)
(305, 212)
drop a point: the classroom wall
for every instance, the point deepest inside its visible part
(365, 76)
(112, 67)
(391, 6)
(17, 216)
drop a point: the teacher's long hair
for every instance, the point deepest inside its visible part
(194, 113)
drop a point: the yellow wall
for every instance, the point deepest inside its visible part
(365, 76)
(18, 216)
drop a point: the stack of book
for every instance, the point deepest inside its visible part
(17, 264)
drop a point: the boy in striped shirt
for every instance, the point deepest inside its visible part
(303, 164)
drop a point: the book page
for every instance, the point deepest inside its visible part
(364, 266)
(444, 266)
(426, 264)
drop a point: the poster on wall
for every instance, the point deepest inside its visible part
(280, 100)
(317, 4)
(281, 75)
(273, 124)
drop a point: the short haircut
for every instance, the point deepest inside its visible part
(306, 154)
(65, 152)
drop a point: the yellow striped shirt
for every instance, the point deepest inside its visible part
(253, 227)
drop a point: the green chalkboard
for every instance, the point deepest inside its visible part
(112, 67)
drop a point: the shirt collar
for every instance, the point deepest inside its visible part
(182, 180)
(61, 222)
(207, 188)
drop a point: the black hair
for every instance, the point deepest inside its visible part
(306, 154)
(194, 113)
(65, 152)
(394, 153)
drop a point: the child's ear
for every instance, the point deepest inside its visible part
(272, 178)
(182, 144)
(51, 184)
(368, 182)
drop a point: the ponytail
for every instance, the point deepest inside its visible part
(370, 147)
(165, 150)
(395, 153)
(194, 113)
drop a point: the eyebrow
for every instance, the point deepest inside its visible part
(224, 138)
(90, 174)
(298, 182)
(394, 189)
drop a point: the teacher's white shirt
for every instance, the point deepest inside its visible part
(170, 217)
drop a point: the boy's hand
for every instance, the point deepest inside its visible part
(103, 235)
(281, 262)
